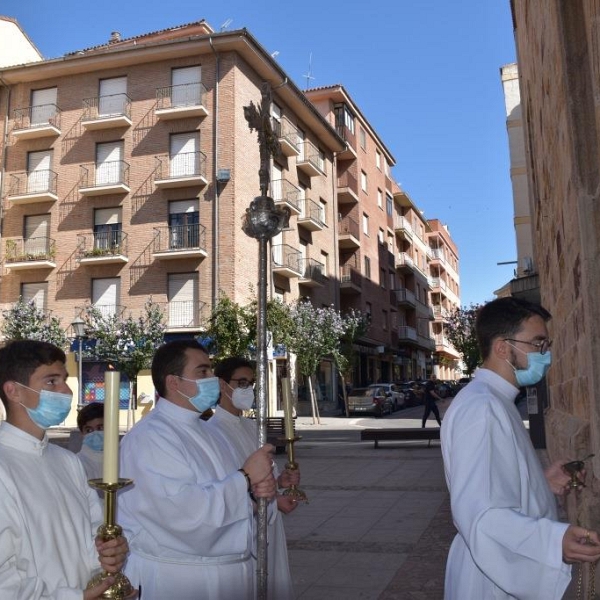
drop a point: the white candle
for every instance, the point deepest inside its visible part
(288, 409)
(110, 472)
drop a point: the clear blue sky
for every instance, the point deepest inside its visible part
(425, 74)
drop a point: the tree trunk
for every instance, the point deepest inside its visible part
(345, 395)
(313, 402)
(132, 402)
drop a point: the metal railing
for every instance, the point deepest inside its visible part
(179, 96)
(113, 172)
(183, 313)
(404, 259)
(37, 116)
(179, 166)
(102, 243)
(311, 268)
(309, 153)
(402, 223)
(106, 107)
(284, 129)
(284, 255)
(283, 190)
(191, 236)
(35, 182)
(407, 333)
(348, 226)
(350, 275)
(403, 296)
(348, 180)
(29, 249)
(311, 210)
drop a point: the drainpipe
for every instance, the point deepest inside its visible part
(4, 148)
(215, 232)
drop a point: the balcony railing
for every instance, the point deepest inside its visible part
(310, 160)
(181, 101)
(37, 121)
(110, 177)
(286, 260)
(438, 254)
(350, 278)
(312, 272)
(36, 186)
(287, 134)
(23, 253)
(103, 247)
(406, 333)
(180, 241)
(104, 112)
(349, 233)
(106, 311)
(286, 193)
(184, 314)
(403, 296)
(181, 170)
(347, 188)
(438, 284)
(402, 226)
(405, 261)
(311, 215)
(350, 138)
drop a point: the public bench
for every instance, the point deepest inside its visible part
(276, 433)
(407, 434)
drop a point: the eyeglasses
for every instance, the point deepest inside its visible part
(243, 383)
(543, 345)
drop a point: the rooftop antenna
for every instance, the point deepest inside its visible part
(275, 54)
(309, 75)
(226, 24)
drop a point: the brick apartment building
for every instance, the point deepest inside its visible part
(127, 169)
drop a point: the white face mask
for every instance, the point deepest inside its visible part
(243, 398)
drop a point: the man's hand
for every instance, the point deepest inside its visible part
(112, 554)
(267, 488)
(286, 504)
(96, 592)
(558, 479)
(288, 478)
(259, 465)
(580, 545)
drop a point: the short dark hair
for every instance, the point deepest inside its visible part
(170, 359)
(504, 317)
(91, 411)
(20, 358)
(228, 366)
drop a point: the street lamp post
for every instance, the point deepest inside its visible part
(78, 326)
(262, 221)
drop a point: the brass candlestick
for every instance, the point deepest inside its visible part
(574, 469)
(294, 491)
(109, 530)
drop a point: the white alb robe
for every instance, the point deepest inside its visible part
(48, 520)
(509, 542)
(187, 517)
(241, 435)
(92, 462)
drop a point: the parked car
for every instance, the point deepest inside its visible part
(394, 392)
(372, 399)
(413, 395)
(446, 389)
(464, 381)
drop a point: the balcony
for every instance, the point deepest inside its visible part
(312, 273)
(403, 297)
(310, 160)
(348, 233)
(287, 134)
(36, 122)
(29, 253)
(104, 311)
(311, 215)
(106, 112)
(187, 169)
(37, 186)
(102, 248)
(440, 313)
(349, 153)
(285, 260)
(405, 263)
(438, 285)
(347, 188)
(350, 280)
(407, 334)
(285, 193)
(110, 177)
(438, 257)
(180, 241)
(181, 101)
(403, 228)
(425, 342)
(182, 315)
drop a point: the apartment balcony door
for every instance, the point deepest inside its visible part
(109, 158)
(184, 154)
(107, 228)
(183, 299)
(105, 295)
(112, 97)
(37, 233)
(186, 86)
(43, 106)
(184, 218)
(38, 171)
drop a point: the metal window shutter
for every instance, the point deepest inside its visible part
(183, 206)
(107, 216)
(111, 99)
(186, 75)
(38, 171)
(183, 287)
(43, 105)
(108, 168)
(37, 226)
(183, 154)
(36, 293)
(105, 292)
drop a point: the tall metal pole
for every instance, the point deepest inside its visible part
(262, 221)
(80, 373)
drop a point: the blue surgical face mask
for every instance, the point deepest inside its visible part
(52, 408)
(208, 393)
(537, 367)
(94, 440)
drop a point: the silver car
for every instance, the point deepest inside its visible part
(373, 399)
(394, 392)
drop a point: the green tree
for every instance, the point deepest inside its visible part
(129, 343)
(460, 331)
(25, 321)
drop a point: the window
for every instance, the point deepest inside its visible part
(363, 181)
(323, 205)
(389, 205)
(186, 86)
(43, 106)
(112, 97)
(182, 295)
(37, 236)
(380, 199)
(378, 159)
(385, 323)
(367, 267)
(275, 111)
(38, 171)
(343, 117)
(108, 229)
(325, 261)
(363, 139)
(36, 293)
(301, 143)
(390, 243)
(184, 154)
(279, 294)
(381, 236)
(184, 229)
(106, 295)
(386, 167)
(392, 280)
(109, 163)
(368, 311)
(365, 221)
(382, 278)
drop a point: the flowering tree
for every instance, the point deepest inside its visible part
(460, 331)
(129, 343)
(25, 321)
